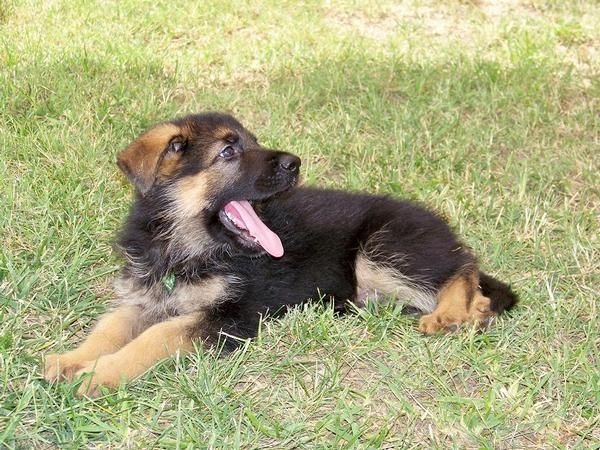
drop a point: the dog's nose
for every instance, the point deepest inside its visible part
(289, 162)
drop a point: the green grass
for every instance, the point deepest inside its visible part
(486, 111)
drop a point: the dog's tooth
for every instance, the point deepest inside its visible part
(232, 219)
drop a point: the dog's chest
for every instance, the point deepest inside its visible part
(160, 301)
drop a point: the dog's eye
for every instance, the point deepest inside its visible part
(176, 146)
(227, 152)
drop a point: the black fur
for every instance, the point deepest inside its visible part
(502, 296)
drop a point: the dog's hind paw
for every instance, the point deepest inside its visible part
(432, 323)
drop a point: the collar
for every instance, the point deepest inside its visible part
(169, 281)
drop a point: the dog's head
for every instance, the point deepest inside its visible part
(204, 174)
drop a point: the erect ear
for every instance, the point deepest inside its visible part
(141, 159)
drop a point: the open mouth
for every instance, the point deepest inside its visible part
(240, 218)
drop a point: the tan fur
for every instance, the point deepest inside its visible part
(223, 133)
(157, 342)
(169, 165)
(195, 297)
(141, 158)
(112, 331)
(157, 304)
(385, 281)
(459, 301)
(190, 195)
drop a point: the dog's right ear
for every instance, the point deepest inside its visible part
(141, 159)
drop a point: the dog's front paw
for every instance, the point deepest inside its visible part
(96, 374)
(63, 366)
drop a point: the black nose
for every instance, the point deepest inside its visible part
(289, 162)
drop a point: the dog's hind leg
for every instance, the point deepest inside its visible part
(459, 301)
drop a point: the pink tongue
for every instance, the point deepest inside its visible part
(243, 212)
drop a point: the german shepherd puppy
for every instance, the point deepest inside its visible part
(219, 237)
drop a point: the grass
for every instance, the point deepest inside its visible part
(486, 111)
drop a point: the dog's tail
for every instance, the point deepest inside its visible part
(502, 296)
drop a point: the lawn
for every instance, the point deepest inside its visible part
(487, 111)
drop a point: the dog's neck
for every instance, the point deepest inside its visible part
(151, 252)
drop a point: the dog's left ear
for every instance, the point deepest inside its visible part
(141, 159)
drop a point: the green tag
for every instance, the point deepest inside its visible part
(168, 282)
